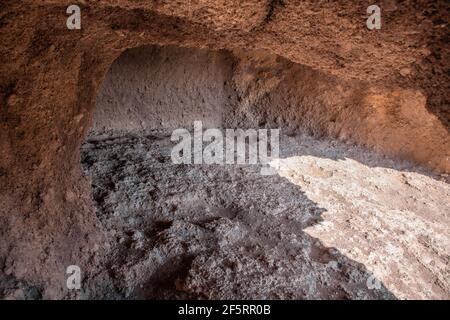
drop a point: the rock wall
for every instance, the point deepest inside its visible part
(165, 88)
(171, 87)
(275, 92)
(49, 78)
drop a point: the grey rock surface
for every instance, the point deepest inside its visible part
(226, 232)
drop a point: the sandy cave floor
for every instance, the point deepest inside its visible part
(336, 221)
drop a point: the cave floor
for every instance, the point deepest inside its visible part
(337, 221)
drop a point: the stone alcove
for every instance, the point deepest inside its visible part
(50, 79)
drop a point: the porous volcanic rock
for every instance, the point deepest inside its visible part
(397, 99)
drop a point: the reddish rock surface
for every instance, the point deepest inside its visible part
(387, 89)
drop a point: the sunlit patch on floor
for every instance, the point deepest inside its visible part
(395, 222)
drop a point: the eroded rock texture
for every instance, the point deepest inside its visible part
(315, 60)
(335, 222)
